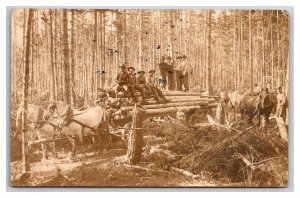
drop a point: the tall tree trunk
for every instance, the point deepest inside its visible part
(250, 51)
(208, 64)
(73, 85)
(53, 78)
(25, 163)
(263, 50)
(67, 93)
(140, 53)
(94, 53)
(124, 36)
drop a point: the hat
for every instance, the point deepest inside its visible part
(131, 68)
(122, 66)
(141, 71)
(152, 71)
(169, 58)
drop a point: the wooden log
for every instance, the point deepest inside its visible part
(157, 106)
(171, 110)
(184, 172)
(180, 93)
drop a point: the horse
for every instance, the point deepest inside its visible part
(94, 119)
(262, 105)
(38, 122)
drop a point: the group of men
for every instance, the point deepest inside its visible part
(174, 76)
(128, 82)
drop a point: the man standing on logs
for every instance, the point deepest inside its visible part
(152, 82)
(163, 70)
(132, 85)
(182, 74)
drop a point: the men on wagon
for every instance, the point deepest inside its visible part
(122, 80)
(132, 85)
(141, 82)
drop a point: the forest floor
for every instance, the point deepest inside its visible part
(174, 155)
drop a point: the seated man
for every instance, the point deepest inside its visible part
(141, 82)
(122, 80)
(132, 85)
(152, 82)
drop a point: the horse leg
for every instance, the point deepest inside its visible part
(80, 139)
(52, 145)
(73, 149)
(73, 152)
(45, 156)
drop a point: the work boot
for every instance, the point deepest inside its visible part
(165, 99)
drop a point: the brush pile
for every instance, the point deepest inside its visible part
(232, 157)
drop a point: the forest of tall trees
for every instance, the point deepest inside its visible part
(74, 52)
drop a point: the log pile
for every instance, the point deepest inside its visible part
(179, 101)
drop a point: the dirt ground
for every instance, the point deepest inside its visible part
(167, 146)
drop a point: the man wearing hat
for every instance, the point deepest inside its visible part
(281, 104)
(141, 82)
(152, 82)
(132, 85)
(122, 79)
(182, 73)
(163, 69)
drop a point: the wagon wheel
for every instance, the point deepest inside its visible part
(125, 134)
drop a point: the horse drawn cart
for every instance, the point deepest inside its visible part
(81, 124)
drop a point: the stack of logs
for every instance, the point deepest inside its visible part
(179, 101)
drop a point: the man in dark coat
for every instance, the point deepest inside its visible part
(141, 82)
(122, 80)
(182, 73)
(132, 85)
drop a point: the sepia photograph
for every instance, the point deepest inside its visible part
(149, 97)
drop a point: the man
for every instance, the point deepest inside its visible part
(152, 82)
(182, 74)
(132, 85)
(256, 89)
(224, 101)
(163, 69)
(262, 103)
(141, 82)
(281, 104)
(122, 80)
(170, 74)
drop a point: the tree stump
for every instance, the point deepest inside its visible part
(135, 142)
(220, 114)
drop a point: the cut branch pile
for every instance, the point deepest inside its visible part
(226, 155)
